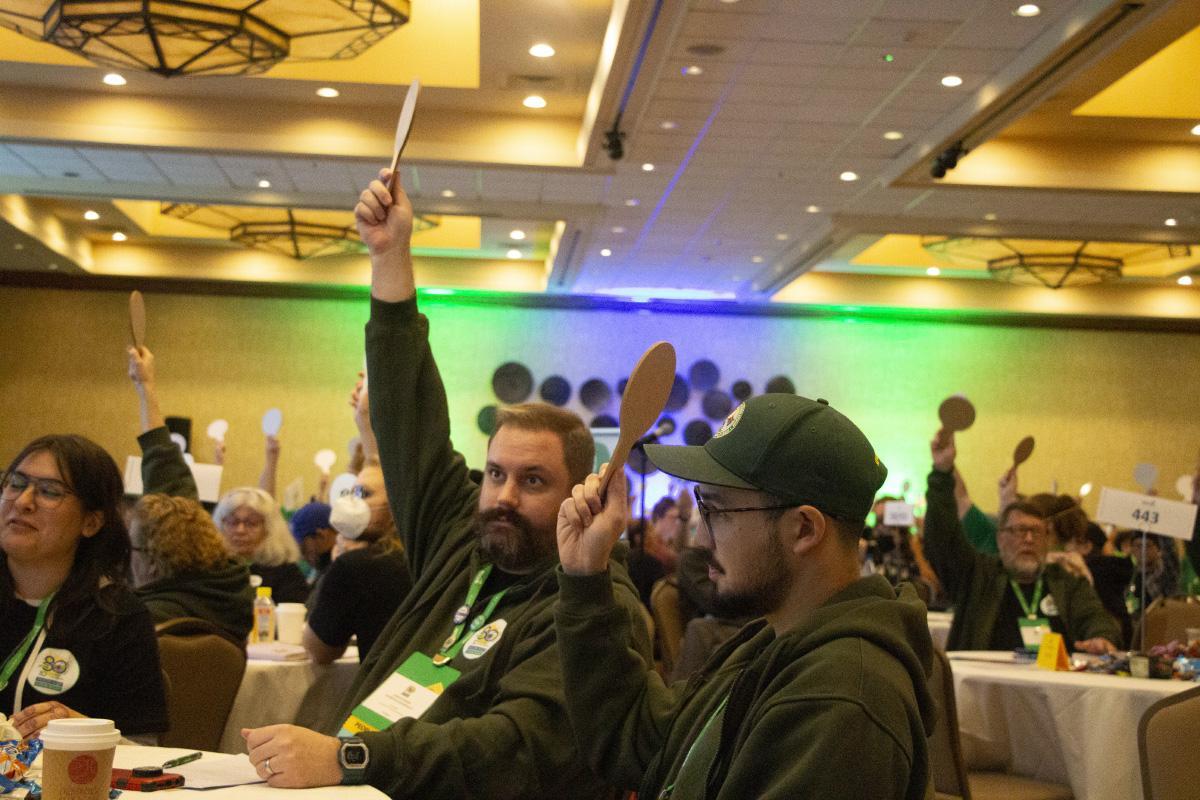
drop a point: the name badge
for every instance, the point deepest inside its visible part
(1032, 631)
(54, 671)
(407, 693)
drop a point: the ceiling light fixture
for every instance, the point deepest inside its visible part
(756, 259)
(1185, 280)
(782, 237)
(633, 201)
(933, 272)
(1196, 130)
(849, 176)
(449, 193)
(647, 167)
(263, 183)
(887, 58)
(517, 235)
(114, 79)
(1027, 10)
(691, 70)
(813, 209)
(513, 253)
(534, 101)
(541, 50)
(893, 136)
(670, 125)
(606, 252)
(990, 216)
(327, 92)
(91, 215)
(117, 236)
(1170, 222)
(950, 81)
(217, 37)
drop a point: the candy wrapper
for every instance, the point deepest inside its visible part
(15, 757)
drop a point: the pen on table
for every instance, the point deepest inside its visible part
(176, 762)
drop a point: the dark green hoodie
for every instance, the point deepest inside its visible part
(223, 596)
(836, 708)
(501, 729)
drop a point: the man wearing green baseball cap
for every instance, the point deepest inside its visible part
(825, 696)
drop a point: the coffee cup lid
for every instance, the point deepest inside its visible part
(80, 734)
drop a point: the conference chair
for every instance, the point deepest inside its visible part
(951, 780)
(1166, 747)
(1167, 620)
(204, 669)
(668, 621)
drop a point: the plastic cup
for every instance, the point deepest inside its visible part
(77, 758)
(289, 621)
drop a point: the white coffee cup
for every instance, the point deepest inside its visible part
(77, 759)
(289, 620)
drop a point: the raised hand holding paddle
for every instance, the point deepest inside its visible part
(644, 399)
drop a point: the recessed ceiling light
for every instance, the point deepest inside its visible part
(729, 2)
(18, 246)
(756, 259)
(1185, 280)
(1196, 131)
(118, 236)
(933, 272)
(990, 216)
(516, 234)
(263, 183)
(631, 202)
(813, 209)
(91, 215)
(849, 176)
(52, 266)
(449, 193)
(327, 91)
(647, 167)
(513, 253)
(950, 81)
(115, 79)
(692, 70)
(670, 125)
(893, 136)
(606, 252)
(1170, 222)
(534, 101)
(782, 237)
(618, 229)
(541, 50)
(1027, 10)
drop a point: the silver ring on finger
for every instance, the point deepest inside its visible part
(267, 765)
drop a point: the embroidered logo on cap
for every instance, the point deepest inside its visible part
(731, 421)
(484, 639)
(54, 671)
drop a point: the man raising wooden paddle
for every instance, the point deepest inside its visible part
(461, 695)
(825, 696)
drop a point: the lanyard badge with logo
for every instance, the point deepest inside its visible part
(22, 649)
(419, 681)
(1033, 627)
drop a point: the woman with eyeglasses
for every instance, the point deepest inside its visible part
(256, 532)
(74, 640)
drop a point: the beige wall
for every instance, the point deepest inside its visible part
(1097, 401)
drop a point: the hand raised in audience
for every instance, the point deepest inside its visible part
(1007, 486)
(384, 221)
(1097, 647)
(32, 719)
(588, 528)
(943, 451)
(141, 367)
(291, 757)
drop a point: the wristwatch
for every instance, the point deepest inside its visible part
(353, 757)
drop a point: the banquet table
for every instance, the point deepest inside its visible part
(297, 692)
(1073, 728)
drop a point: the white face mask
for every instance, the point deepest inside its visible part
(350, 516)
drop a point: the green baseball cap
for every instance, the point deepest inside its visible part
(800, 450)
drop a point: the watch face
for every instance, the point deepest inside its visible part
(355, 755)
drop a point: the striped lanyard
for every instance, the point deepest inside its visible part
(22, 649)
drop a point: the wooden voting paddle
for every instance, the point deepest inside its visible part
(957, 414)
(1022, 452)
(137, 319)
(403, 126)
(644, 399)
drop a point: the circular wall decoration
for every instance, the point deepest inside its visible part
(512, 382)
(697, 432)
(595, 394)
(605, 421)
(639, 463)
(556, 390)
(781, 384)
(679, 394)
(716, 404)
(742, 390)
(621, 386)
(486, 420)
(704, 375)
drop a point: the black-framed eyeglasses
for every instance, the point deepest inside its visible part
(50, 492)
(706, 511)
(1021, 531)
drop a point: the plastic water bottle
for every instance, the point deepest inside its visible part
(264, 616)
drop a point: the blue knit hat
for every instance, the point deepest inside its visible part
(309, 519)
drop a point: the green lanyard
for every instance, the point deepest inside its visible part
(458, 637)
(1030, 609)
(18, 654)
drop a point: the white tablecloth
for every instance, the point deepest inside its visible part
(1068, 727)
(939, 627)
(297, 692)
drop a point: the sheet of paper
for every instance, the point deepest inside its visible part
(1144, 512)
(214, 771)
(207, 477)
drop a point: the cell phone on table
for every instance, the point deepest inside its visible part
(126, 780)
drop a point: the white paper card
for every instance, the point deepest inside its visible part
(898, 513)
(207, 477)
(1143, 512)
(214, 770)
(272, 421)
